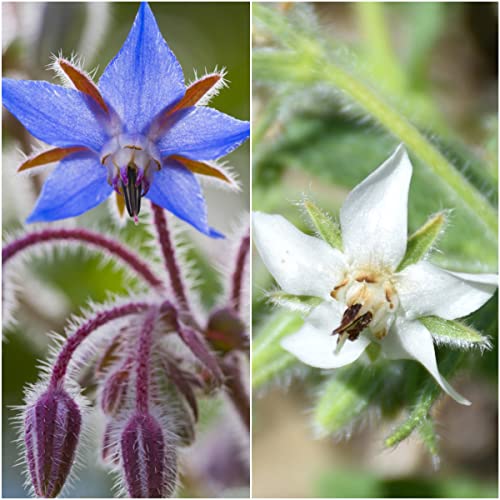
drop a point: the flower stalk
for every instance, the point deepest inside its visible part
(84, 236)
(73, 342)
(169, 257)
(237, 277)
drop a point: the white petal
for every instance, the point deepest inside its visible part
(411, 340)
(487, 279)
(315, 345)
(301, 264)
(425, 290)
(374, 217)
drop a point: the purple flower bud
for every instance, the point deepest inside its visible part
(52, 427)
(149, 460)
(226, 332)
(114, 391)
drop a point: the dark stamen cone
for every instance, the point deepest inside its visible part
(149, 461)
(52, 427)
(132, 192)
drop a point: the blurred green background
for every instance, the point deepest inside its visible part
(52, 286)
(437, 65)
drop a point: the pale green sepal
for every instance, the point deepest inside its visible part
(422, 240)
(428, 435)
(345, 397)
(269, 359)
(454, 333)
(325, 226)
(300, 303)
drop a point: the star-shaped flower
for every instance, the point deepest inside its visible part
(140, 132)
(364, 297)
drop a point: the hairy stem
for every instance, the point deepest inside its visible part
(72, 343)
(169, 256)
(238, 393)
(94, 239)
(144, 361)
(237, 276)
(313, 64)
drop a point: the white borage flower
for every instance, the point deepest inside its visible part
(365, 298)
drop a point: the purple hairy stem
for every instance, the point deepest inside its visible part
(72, 343)
(51, 431)
(168, 251)
(84, 236)
(237, 276)
(194, 341)
(234, 382)
(143, 361)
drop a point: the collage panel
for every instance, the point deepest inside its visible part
(374, 352)
(126, 187)
(196, 306)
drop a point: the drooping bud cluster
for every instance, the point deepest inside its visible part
(149, 364)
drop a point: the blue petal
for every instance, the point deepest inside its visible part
(204, 134)
(53, 114)
(176, 189)
(78, 184)
(144, 77)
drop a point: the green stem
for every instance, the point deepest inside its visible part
(309, 55)
(400, 127)
(377, 43)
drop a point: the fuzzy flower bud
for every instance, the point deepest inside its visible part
(52, 427)
(114, 391)
(226, 332)
(149, 459)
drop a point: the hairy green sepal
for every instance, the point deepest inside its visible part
(422, 240)
(454, 333)
(325, 226)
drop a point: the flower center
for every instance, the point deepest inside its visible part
(371, 301)
(131, 161)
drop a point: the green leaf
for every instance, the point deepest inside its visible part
(422, 240)
(269, 359)
(454, 333)
(346, 396)
(325, 226)
(424, 400)
(300, 303)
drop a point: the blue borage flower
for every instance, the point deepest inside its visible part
(140, 132)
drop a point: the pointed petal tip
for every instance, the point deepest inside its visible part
(451, 392)
(215, 234)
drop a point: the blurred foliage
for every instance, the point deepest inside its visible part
(362, 484)
(336, 88)
(202, 39)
